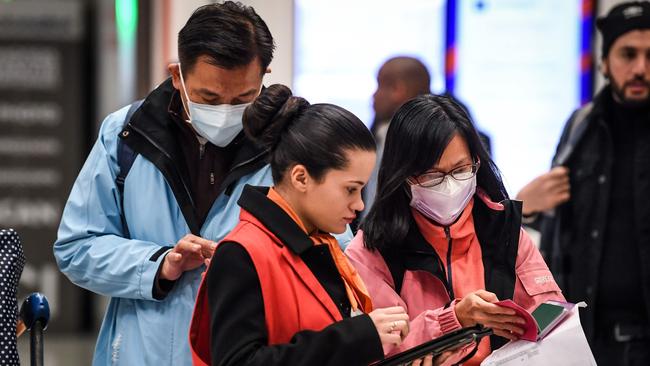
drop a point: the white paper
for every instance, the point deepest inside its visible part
(566, 345)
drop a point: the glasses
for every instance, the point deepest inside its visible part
(433, 178)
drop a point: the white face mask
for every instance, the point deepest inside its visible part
(219, 124)
(446, 201)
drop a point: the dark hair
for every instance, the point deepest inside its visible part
(417, 136)
(229, 34)
(295, 132)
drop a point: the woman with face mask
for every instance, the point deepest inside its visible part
(279, 290)
(442, 239)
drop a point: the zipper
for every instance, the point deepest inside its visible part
(187, 190)
(201, 150)
(449, 278)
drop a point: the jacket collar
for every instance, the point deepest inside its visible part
(153, 133)
(492, 226)
(274, 219)
(497, 227)
(155, 119)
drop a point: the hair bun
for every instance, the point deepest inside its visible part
(271, 113)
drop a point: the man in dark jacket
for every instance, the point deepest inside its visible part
(598, 242)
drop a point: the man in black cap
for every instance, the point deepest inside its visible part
(598, 242)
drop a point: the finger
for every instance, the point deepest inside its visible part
(486, 295)
(174, 257)
(402, 326)
(561, 183)
(390, 338)
(189, 237)
(560, 198)
(185, 246)
(393, 325)
(509, 327)
(443, 357)
(498, 319)
(207, 252)
(503, 319)
(417, 362)
(206, 244)
(564, 196)
(394, 310)
(207, 262)
(396, 317)
(559, 171)
(561, 189)
(496, 309)
(428, 360)
(504, 334)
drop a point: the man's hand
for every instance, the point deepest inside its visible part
(189, 253)
(546, 191)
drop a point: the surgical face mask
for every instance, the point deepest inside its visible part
(444, 202)
(219, 124)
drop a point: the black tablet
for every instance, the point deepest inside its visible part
(448, 342)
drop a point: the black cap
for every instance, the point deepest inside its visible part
(622, 19)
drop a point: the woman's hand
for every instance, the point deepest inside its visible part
(424, 361)
(392, 324)
(478, 308)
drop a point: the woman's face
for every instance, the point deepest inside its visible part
(455, 155)
(331, 204)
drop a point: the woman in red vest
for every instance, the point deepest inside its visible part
(442, 239)
(279, 290)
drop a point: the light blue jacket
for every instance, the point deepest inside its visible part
(92, 252)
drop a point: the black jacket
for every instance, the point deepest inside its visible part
(573, 235)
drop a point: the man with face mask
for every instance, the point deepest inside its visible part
(145, 245)
(598, 243)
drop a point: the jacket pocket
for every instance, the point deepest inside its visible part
(538, 282)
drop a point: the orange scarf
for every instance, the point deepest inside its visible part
(354, 286)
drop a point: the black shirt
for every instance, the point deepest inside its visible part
(207, 164)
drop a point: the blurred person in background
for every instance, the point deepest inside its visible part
(144, 244)
(598, 241)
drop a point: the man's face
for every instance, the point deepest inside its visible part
(628, 67)
(388, 96)
(209, 84)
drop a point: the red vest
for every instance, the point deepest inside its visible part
(294, 300)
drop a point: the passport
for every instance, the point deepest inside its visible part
(542, 320)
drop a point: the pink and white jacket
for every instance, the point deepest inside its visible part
(434, 267)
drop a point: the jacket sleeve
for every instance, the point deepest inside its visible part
(546, 221)
(90, 248)
(238, 327)
(423, 327)
(534, 283)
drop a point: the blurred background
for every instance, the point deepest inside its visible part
(521, 66)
